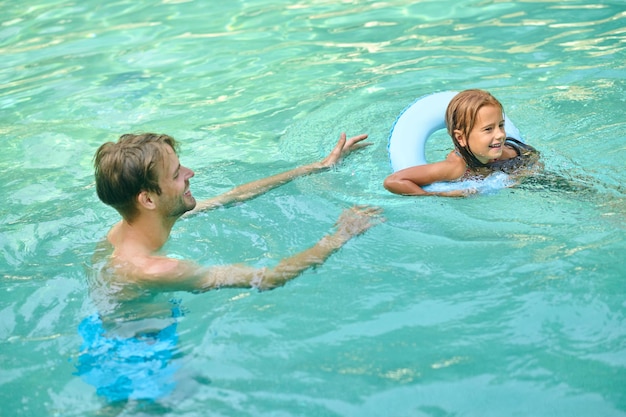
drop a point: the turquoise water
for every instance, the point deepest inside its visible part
(498, 305)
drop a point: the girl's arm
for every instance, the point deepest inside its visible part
(409, 181)
(258, 187)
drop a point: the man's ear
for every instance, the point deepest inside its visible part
(460, 138)
(145, 199)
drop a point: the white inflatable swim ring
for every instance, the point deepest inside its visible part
(413, 127)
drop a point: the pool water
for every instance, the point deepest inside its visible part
(511, 303)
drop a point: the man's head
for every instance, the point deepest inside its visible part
(134, 165)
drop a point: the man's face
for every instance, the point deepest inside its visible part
(176, 198)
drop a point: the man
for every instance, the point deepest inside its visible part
(130, 344)
(142, 178)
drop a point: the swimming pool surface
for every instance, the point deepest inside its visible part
(507, 304)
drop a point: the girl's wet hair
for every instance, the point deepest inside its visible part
(126, 168)
(461, 115)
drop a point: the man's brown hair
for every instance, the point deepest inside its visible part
(126, 168)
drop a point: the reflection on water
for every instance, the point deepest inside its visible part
(556, 183)
(498, 301)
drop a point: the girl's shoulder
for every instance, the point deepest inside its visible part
(455, 165)
(455, 157)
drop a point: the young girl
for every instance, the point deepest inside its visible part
(475, 122)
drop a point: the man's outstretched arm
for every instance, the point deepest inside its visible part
(179, 275)
(351, 223)
(255, 188)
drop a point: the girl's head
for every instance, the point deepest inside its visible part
(461, 118)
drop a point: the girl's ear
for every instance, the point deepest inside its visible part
(460, 137)
(144, 199)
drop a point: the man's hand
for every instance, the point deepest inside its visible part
(343, 148)
(356, 220)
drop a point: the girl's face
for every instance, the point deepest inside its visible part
(487, 136)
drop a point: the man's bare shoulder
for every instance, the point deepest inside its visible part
(130, 261)
(157, 271)
(125, 264)
(173, 274)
